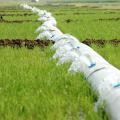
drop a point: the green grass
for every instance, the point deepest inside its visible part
(32, 87)
(86, 1)
(16, 30)
(110, 53)
(83, 25)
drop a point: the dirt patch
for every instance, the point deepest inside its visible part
(25, 14)
(60, 14)
(30, 44)
(101, 42)
(78, 13)
(17, 21)
(68, 20)
(5, 11)
(71, 20)
(110, 12)
(109, 19)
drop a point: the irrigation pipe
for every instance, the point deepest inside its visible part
(104, 77)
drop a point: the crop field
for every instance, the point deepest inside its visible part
(32, 87)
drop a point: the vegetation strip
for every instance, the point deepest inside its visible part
(110, 19)
(17, 21)
(25, 14)
(12, 11)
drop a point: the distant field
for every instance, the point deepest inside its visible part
(89, 1)
(84, 23)
(32, 87)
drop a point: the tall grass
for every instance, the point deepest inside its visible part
(32, 87)
(110, 53)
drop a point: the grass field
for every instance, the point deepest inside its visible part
(31, 86)
(83, 23)
(89, 1)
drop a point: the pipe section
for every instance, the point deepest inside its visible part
(104, 77)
